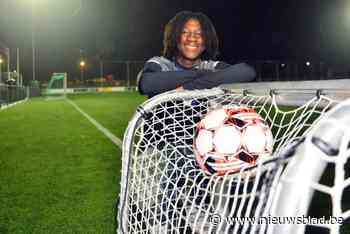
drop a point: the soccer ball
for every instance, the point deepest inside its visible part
(230, 138)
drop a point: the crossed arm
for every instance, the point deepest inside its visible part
(153, 81)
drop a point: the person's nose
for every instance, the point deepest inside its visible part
(192, 36)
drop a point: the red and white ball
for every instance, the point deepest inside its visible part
(230, 138)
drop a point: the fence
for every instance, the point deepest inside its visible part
(10, 94)
(107, 73)
(289, 71)
(33, 92)
(124, 73)
(275, 70)
(117, 73)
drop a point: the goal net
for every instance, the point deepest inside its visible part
(164, 191)
(57, 86)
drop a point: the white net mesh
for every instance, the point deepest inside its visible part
(164, 191)
(315, 184)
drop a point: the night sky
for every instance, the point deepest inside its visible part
(132, 30)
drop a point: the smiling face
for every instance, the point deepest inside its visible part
(191, 44)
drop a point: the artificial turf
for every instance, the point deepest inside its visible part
(59, 174)
(112, 110)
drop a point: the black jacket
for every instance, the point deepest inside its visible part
(160, 75)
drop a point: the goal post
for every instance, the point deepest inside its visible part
(294, 93)
(164, 191)
(57, 85)
(319, 166)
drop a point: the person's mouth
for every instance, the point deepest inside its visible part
(192, 47)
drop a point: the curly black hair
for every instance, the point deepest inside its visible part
(173, 30)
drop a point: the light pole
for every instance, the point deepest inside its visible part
(33, 41)
(1, 61)
(8, 63)
(82, 66)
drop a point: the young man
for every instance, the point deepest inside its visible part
(188, 61)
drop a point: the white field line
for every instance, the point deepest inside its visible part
(105, 131)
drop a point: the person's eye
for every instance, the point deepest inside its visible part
(198, 34)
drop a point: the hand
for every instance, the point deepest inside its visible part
(180, 88)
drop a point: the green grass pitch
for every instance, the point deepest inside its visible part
(59, 174)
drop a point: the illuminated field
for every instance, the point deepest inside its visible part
(59, 174)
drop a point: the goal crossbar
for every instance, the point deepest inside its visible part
(300, 91)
